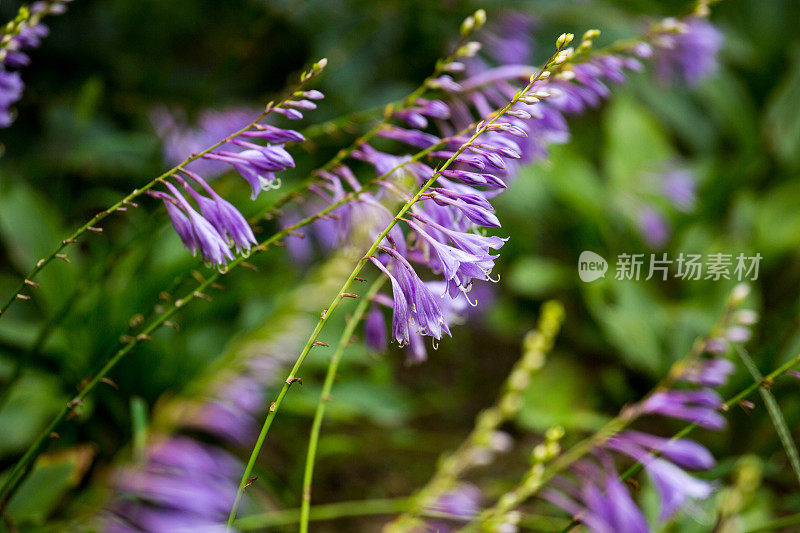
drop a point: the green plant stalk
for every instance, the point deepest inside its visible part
(766, 381)
(774, 411)
(91, 225)
(198, 291)
(779, 523)
(330, 511)
(614, 426)
(452, 466)
(325, 397)
(344, 153)
(326, 314)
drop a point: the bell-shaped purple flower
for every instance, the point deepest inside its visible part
(400, 311)
(375, 335)
(696, 406)
(225, 218)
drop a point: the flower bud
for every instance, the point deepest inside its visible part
(564, 39)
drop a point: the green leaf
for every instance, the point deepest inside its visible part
(634, 142)
(556, 397)
(51, 478)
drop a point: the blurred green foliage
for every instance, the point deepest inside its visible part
(83, 138)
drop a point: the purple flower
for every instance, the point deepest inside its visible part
(375, 335)
(708, 372)
(411, 137)
(400, 311)
(275, 135)
(683, 452)
(601, 502)
(675, 486)
(11, 87)
(679, 187)
(196, 233)
(463, 502)
(696, 406)
(653, 228)
(225, 218)
(689, 54)
(257, 164)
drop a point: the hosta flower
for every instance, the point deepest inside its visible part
(220, 225)
(225, 218)
(13, 55)
(690, 52)
(700, 407)
(196, 233)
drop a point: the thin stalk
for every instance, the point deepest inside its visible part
(330, 511)
(779, 523)
(326, 314)
(91, 225)
(325, 397)
(627, 416)
(774, 411)
(32, 452)
(764, 382)
(344, 153)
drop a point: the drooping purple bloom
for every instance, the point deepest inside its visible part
(462, 502)
(690, 53)
(600, 501)
(375, 335)
(400, 311)
(225, 218)
(697, 406)
(708, 372)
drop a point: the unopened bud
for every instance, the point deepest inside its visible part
(740, 292)
(564, 39)
(469, 49)
(480, 18)
(591, 34)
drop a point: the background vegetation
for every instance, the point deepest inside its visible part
(84, 138)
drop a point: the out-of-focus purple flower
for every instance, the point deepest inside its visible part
(697, 406)
(601, 501)
(182, 139)
(462, 502)
(690, 53)
(375, 335)
(183, 486)
(679, 186)
(708, 372)
(12, 55)
(653, 227)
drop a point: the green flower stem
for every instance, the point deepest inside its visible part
(774, 411)
(330, 511)
(91, 225)
(765, 382)
(538, 344)
(539, 476)
(344, 153)
(326, 314)
(325, 397)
